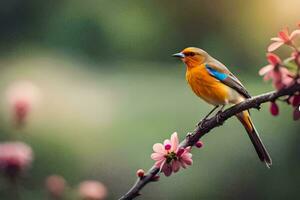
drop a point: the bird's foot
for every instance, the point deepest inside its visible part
(200, 124)
(219, 117)
(189, 134)
(257, 106)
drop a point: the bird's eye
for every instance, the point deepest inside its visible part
(189, 54)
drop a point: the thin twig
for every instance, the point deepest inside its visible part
(209, 124)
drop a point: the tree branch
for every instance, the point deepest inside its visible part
(208, 125)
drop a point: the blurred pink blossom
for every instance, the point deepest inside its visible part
(22, 97)
(283, 38)
(281, 77)
(169, 157)
(55, 185)
(15, 158)
(92, 190)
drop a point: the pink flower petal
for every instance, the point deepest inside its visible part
(183, 165)
(276, 39)
(273, 46)
(188, 149)
(159, 163)
(295, 34)
(268, 76)
(287, 81)
(159, 148)
(273, 59)
(276, 76)
(180, 151)
(284, 35)
(174, 141)
(186, 162)
(187, 158)
(265, 69)
(157, 156)
(167, 169)
(175, 166)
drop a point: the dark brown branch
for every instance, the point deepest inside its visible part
(208, 125)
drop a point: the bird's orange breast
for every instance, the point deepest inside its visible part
(207, 87)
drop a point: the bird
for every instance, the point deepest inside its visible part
(212, 81)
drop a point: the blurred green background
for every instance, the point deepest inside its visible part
(110, 90)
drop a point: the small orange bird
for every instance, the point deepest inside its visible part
(215, 84)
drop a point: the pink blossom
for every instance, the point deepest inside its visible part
(92, 190)
(22, 97)
(283, 38)
(274, 109)
(170, 157)
(15, 158)
(281, 77)
(55, 185)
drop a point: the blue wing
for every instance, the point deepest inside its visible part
(227, 79)
(218, 75)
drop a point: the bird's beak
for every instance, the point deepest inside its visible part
(178, 55)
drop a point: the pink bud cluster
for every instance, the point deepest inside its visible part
(57, 186)
(284, 73)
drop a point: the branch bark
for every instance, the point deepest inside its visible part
(209, 124)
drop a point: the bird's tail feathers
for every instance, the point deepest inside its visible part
(260, 148)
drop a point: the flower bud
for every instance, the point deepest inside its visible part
(274, 109)
(140, 173)
(296, 114)
(199, 144)
(296, 100)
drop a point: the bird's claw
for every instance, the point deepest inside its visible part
(219, 117)
(188, 135)
(257, 106)
(200, 124)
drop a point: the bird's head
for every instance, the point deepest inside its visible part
(192, 56)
